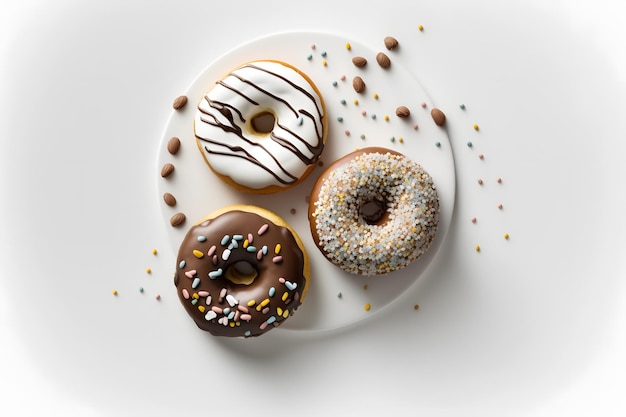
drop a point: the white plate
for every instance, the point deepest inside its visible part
(336, 298)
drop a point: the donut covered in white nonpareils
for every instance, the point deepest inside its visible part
(374, 211)
(263, 127)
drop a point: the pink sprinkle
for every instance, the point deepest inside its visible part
(259, 255)
(241, 308)
(499, 205)
(245, 317)
(208, 300)
(423, 104)
(312, 46)
(363, 112)
(203, 293)
(158, 296)
(190, 274)
(237, 315)
(473, 219)
(250, 238)
(211, 251)
(263, 325)
(480, 181)
(217, 309)
(296, 296)
(214, 260)
(281, 280)
(347, 132)
(222, 294)
(415, 126)
(263, 229)
(481, 156)
(265, 310)
(499, 180)
(342, 78)
(277, 259)
(185, 294)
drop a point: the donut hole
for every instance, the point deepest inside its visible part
(373, 209)
(241, 272)
(263, 123)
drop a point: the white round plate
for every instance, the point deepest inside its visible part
(335, 299)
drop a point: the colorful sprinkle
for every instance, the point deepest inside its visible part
(475, 126)
(215, 274)
(474, 219)
(148, 271)
(201, 238)
(438, 144)
(506, 235)
(469, 144)
(198, 254)
(481, 156)
(416, 307)
(348, 46)
(225, 240)
(271, 292)
(423, 104)
(500, 205)
(114, 292)
(356, 101)
(339, 119)
(277, 248)
(195, 283)
(154, 251)
(367, 307)
(343, 101)
(309, 56)
(499, 180)
(277, 259)
(190, 273)
(140, 289)
(334, 83)
(421, 28)
(182, 264)
(263, 229)
(324, 63)
(157, 297)
(347, 133)
(480, 181)
(477, 248)
(376, 96)
(462, 106)
(324, 54)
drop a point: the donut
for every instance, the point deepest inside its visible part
(373, 211)
(263, 127)
(241, 271)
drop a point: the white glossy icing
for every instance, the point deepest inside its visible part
(258, 160)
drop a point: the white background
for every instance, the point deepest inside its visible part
(530, 326)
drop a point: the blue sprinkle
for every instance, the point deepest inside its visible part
(201, 238)
(215, 274)
(247, 333)
(195, 283)
(343, 101)
(264, 250)
(251, 248)
(373, 116)
(226, 311)
(469, 144)
(272, 291)
(194, 301)
(462, 106)
(233, 245)
(225, 240)
(271, 319)
(324, 54)
(238, 237)
(334, 83)
(339, 119)
(309, 56)
(182, 264)
(140, 289)
(231, 315)
(438, 144)
(300, 121)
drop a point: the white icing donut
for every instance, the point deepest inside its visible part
(263, 127)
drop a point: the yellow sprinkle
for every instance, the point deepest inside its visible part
(277, 248)
(386, 118)
(251, 303)
(416, 307)
(148, 271)
(356, 101)
(367, 307)
(154, 251)
(506, 235)
(265, 302)
(195, 295)
(245, 243)
(324, 63)
(286, 314)
(114, 292)
(285, 296)
(348, 46)
(231, 324)
(201, 308)
(365, 287)
(401, 139)
(477, 248)
(376, 95)
(279, 311)
(475, 127)
(197, 253)
(420, 27)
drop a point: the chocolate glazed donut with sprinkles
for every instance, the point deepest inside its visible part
(241, 271)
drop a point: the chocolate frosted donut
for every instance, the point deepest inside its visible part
(374, 211)
(241, 271)
(263, 127)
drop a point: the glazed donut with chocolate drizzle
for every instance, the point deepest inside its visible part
(374, 211)
(241, 271)
(263, 127)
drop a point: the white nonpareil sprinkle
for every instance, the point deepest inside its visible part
(412, 206)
